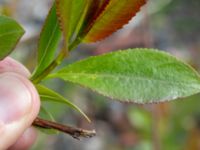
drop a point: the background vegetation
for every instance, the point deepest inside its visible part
(169, 25)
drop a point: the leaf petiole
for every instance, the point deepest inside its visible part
(52, 66)
(61, 56)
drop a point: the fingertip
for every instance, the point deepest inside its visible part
(26, 140)
(19, 106)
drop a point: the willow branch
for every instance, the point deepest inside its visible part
(76, 133)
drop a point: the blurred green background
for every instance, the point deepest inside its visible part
(170, 25)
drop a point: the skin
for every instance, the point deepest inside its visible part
(19, 106)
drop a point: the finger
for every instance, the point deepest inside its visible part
(26, 140)
(11, 65)
(19, 106)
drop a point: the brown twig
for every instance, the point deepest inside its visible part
(76, 133)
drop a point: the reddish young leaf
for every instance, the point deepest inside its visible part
(91, 21)
(109, 17)
(94, 11)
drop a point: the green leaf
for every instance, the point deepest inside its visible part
(70, 15)
(10, 33)
(46, 115)
(137, 75)
(48, 42)
(49, 95)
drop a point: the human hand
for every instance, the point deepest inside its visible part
(19, 106)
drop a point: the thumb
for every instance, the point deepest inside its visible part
(19, 106)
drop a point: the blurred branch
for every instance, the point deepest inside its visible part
(155, 128)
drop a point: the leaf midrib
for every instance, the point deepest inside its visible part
(45, 51)
(188, 84)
